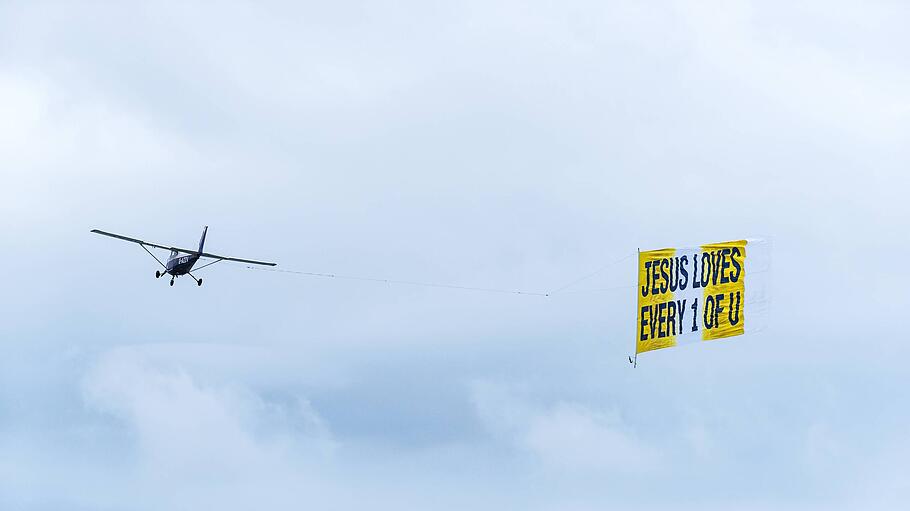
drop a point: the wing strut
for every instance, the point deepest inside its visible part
(153, 255)
(208, 264)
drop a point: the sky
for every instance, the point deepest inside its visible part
(498, 144)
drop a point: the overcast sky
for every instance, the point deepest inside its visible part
(515, 145)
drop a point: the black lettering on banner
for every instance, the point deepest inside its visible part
(661, 320)
(654, 269)
(681, 307)
(709, 312)
(695, 315)
(644, 290)
(665, 276)
(671, 317)
(684, 272)
(736, 265)
(674, 276)
(718, 308)
(644, 322)
(724, 266)
(653, 320)
(705, 268)
(734, 320)
(715, 267)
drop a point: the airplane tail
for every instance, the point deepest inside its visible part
(202, 239)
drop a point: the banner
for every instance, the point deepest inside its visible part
(711, 292)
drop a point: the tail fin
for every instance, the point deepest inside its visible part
(202, 239)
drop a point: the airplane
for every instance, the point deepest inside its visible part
(181, 260)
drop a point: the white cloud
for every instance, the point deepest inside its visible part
(565, 435)
(184, 426)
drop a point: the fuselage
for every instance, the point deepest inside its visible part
(180, 263)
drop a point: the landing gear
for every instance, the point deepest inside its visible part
(157, 274)
(172, 281)
(199, 282)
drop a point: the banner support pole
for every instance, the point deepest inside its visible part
(637, 263)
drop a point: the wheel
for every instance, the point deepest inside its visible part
(157, 274)
(172, 282)
(199, 282)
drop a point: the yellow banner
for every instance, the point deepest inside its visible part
(700, 294)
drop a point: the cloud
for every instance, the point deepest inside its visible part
(573, 436)
(564, 435)
(496, 144)
(762, 49)
(201, 430)
(184, 427)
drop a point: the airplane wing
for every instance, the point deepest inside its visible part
(223, 258)
(141, 242)
(204, 254)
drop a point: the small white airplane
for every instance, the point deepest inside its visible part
(181, 260)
